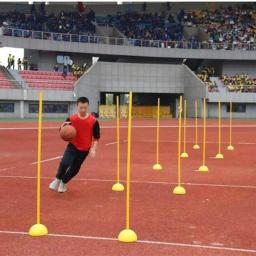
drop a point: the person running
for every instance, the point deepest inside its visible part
(84, 144)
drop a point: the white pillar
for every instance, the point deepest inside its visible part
(22, 109)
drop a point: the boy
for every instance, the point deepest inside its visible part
(85, 142)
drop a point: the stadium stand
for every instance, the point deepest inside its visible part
(239, 83)
(148, 71)
(4, 81)
(204, 73)
(227, 27)
(63, 22)
(148, 26)
(48, 80)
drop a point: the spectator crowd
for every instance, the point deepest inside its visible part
(239, 83)
(148, 26)
(227, 27)
(73, 22)
(204, 73)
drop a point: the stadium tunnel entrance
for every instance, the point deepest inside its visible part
(144, 104)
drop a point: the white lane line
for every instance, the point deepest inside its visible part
(134, 126)
(199, 142)
(27, 128)
(188, 141)
(197, 246)
(140, 182)
(247, 143)
(6, 169)
(49, 159)
(110, 143)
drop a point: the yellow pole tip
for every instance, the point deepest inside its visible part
(184, 155)
(179, 190)
(203, 168)
(219, 156)
(157, 167)
(118, 187)
(127, 236)
(38, 230)
(196, 146)
(230, 147)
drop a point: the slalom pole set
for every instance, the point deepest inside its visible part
(128, 235)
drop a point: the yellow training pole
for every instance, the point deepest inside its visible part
(118, 186)
(196, 146)
(219, 155)
(157, 166)
(230, 146)
(128, 235)
(203, 167)
(184, 154)
(179, 190)
(39, 229)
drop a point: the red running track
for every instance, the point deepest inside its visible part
(217, 216)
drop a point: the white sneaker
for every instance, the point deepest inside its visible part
(54, 184)
(62, 187)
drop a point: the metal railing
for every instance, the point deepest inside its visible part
(84, 38)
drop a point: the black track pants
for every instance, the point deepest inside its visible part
(70, 163)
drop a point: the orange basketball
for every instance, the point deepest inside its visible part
(67, 132)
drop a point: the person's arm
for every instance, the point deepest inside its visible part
(96, 137)
(67, 122)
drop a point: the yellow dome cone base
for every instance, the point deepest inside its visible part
(196, 146)
(157, 167)
(203, 168)
(184, 155)
(127, 236)
(230, 147)
(179, 190)
(118, 187)
(219, 156)
(38, 230)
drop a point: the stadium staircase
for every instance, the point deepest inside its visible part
(16, 76)
(6, 80)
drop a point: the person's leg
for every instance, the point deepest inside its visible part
(75, 166)
(66, 161)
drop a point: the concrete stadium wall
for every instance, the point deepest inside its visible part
(21, 98)
(231, 96)
(234, 67)
(46, 60)
(125, 77)
(124, 50)
(194, 89)
(213, 111)
(21, 110)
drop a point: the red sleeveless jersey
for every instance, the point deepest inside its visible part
(84, 131)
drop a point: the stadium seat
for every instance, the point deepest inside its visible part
(48, 80)
(4, 82)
